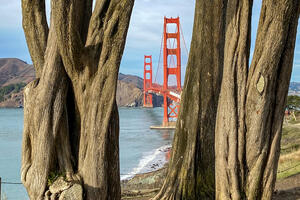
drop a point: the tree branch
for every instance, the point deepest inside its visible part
(108, 30)
(71, 19)
(95, 29)
(36, 31)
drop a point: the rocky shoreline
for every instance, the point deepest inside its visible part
(145, 185)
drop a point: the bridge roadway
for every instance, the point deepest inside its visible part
(171, 92)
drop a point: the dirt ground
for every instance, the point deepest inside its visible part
(288, 189)
(285, 189)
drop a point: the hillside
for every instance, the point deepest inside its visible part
(129, 91)
(294, 88)
(14, 71)
(15, 74)
(135, 80)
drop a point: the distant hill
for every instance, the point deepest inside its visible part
(15, 74)
(294, 88)
(135, 80)
(14, 71)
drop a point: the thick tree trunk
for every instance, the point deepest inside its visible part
(251, 107)
(45, 139)
(71, 123)
(230, 126)
(191, 169)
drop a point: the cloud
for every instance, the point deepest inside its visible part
(146, 25)
(144, 36)
(11, 14)
(146, 29)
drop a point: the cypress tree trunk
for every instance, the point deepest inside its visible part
(191, 170)
(71, 122)
(230, 126)
(251, 105)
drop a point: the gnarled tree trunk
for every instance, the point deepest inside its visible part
(251, 105)
(71, 122)
(191, 173)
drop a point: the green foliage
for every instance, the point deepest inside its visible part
(12, 88)
(293, 102)
(19, 87)
(53, 176)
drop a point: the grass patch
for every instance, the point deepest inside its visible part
(290, 141)
(289, 164)
(293, 169)
(293, 121)
(289, 161)
(290, 148)
(53, 176)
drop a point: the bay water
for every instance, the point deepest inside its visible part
(141, 148)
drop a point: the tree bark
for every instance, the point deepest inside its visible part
(191, 169)
(230, 125)
(71, 122)
(36, 31)
(251, 107)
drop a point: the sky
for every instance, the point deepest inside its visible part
(144, 35)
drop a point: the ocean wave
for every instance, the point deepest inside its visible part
(151, 161)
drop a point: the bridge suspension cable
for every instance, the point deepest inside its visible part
(158, 64)
(186, 50)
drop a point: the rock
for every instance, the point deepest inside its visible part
(64, 190)
(73, 193)
(59, 185)
(133, 104)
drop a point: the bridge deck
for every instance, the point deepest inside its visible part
(172, 93)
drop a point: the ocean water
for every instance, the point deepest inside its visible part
(141, 149)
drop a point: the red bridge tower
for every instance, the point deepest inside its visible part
(171, 108)
(147, 81)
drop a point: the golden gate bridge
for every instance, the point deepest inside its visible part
(171, 91)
